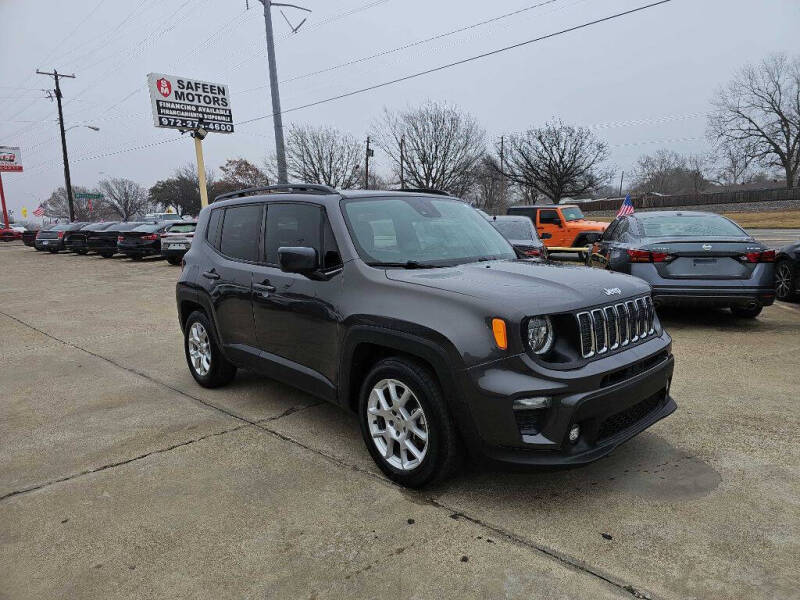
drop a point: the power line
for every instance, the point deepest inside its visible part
(419, 42)
(462, 61)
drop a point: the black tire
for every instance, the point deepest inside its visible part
(174, 260)
(106, 254)
(52, 251)
(81, 251)
(220, 371)
(747, 312)
(785, 283)
(38, 249)
(136, 257)
(443, 454)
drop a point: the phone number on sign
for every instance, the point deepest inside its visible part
(193, 123)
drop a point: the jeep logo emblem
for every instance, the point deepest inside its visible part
(612, 291)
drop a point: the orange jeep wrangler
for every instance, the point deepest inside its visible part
(561, 225)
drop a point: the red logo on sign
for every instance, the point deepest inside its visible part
(164, 87)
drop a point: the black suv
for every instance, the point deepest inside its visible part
(410, 309)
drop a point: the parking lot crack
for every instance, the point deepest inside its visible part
(120, 463)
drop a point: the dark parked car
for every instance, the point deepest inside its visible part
(141, 241)
(29, 235)
(105, 242)
(75, 241)
(522, 235)
(53, 239)
(176, 241)
(690, 257)
(787, 272)
(413, 311)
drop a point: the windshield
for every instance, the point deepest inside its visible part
(183, 228)
(572, 214)
(516, 229)
(421, 231)
(689, 226)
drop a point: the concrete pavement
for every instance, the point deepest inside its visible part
(120, 477)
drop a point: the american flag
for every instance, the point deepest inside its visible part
(626, 208)
(39, 212)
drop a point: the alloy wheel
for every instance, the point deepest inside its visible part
(397, 424)
(783, 281)
(199, 349)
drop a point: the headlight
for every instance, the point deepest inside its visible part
(540, 334)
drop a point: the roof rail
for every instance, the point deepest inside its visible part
(425, 191)
(311, 188)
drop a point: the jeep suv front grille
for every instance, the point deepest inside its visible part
(616, 325)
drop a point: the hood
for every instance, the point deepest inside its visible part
(587, 225)
(543, 287)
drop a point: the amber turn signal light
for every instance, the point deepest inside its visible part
(499, 331)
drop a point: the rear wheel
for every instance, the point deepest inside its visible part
(52, 250)
(206, 362)
(747, 311)
(174, 260)
(406, 425)
(106, 254)
(81, 251)
(784, 281)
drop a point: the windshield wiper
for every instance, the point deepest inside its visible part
(409, 264)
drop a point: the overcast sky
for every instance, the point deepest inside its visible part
(643, 81)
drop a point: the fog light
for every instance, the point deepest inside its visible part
(532, 403)
(574, 434)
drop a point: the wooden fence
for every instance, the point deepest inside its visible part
(744, 196)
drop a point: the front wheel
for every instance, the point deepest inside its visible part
(206, 362)
(784, 281)
(106, 254)
(174, 260)
(746, 312)
(406, 425)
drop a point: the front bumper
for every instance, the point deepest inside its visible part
(611, 399)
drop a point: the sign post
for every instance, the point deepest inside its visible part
(190, 105)
(10, 161)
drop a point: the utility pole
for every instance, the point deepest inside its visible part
(277, 119)
(67, 181)
(502, 171)
(621, 179)
(370, 152)
(402, 162)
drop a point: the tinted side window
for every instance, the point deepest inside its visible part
(212, 233)
(241, 228)
(549, 216)
(622, 228)
(331, 259)
(291, 225)
(608, 234)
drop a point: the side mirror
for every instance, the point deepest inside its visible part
(546, 236)
(298, 259)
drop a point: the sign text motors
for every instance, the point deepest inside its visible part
(179, 103)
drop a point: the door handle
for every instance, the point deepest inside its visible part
(264, 288)
(211, 274)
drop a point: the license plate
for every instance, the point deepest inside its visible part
(45, 242)
(176, 247)
(705, 261)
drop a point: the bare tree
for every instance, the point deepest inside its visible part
(557, 160)
(667, 172)
(759, 112)
(241, 173)
(127, 198)
(489, 192)
(57, 205)
(733, 165)
(323, 155)
(441, 146)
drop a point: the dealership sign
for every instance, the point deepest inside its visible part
(180, 103)
(10, 159)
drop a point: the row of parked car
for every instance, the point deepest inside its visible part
(135, 239)
(687, 257)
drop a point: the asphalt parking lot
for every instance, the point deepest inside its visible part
(120, 477)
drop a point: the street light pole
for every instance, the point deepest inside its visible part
(67, 180)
